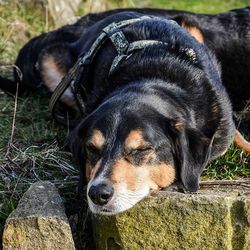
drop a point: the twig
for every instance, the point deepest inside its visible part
(242, 183)
(46, 17)
(243, 113)
(19, 74)
(4, 42)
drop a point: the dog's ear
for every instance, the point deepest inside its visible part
(191, 26)
(192, 150)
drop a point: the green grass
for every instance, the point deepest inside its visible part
(35, 152)
(202, 6)
(18, 23)
(233, 165)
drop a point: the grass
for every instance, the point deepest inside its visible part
(35, 151)
(233, 165)
(202, 6)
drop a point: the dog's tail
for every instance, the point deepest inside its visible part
(241, 142)
(8, 86)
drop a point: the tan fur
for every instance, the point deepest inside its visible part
(124, 172)
(179, 125)
(91, 170)
(240, 141)
(152, 176)
(163, 175)
(134, 140)
(194, 31)
(52, 74)
(88, 170)
(97, 139)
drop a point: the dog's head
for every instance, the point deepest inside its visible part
(127, 149)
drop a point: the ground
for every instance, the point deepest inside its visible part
(31, 143)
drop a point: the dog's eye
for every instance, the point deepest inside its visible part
(93, 151)
(140, 151)
(137, 155)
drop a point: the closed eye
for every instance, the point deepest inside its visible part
(135, 156)
(140, 151)
(92, 151)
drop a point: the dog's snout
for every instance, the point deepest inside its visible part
(100, 194)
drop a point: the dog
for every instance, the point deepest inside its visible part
(154, 108)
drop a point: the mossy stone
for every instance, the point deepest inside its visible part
(171, 220)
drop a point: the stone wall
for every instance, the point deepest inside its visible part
(215, 218)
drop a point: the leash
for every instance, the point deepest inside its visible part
(78, 73)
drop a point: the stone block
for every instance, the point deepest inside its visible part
(212, 219)
(39, 222)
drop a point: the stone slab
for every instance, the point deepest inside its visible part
(39, 221)
(213, 219)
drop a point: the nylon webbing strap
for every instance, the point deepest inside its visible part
(137, 45)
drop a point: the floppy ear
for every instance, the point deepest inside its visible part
(191, 26)
(192, 151)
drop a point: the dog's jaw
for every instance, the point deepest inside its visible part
(122, 200)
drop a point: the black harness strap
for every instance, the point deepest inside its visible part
(137, 45)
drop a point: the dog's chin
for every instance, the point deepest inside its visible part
(119, 203)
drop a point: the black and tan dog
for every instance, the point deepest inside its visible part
(155, 108)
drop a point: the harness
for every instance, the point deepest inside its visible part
(77, 75)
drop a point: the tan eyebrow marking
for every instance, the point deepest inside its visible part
(97, 139)
(134, 140)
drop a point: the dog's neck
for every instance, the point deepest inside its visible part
(163, 66)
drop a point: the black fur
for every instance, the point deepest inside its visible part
(153, 90)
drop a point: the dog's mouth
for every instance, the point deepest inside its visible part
(120, 202)
(111, 208)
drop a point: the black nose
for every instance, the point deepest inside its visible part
(100, 194)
